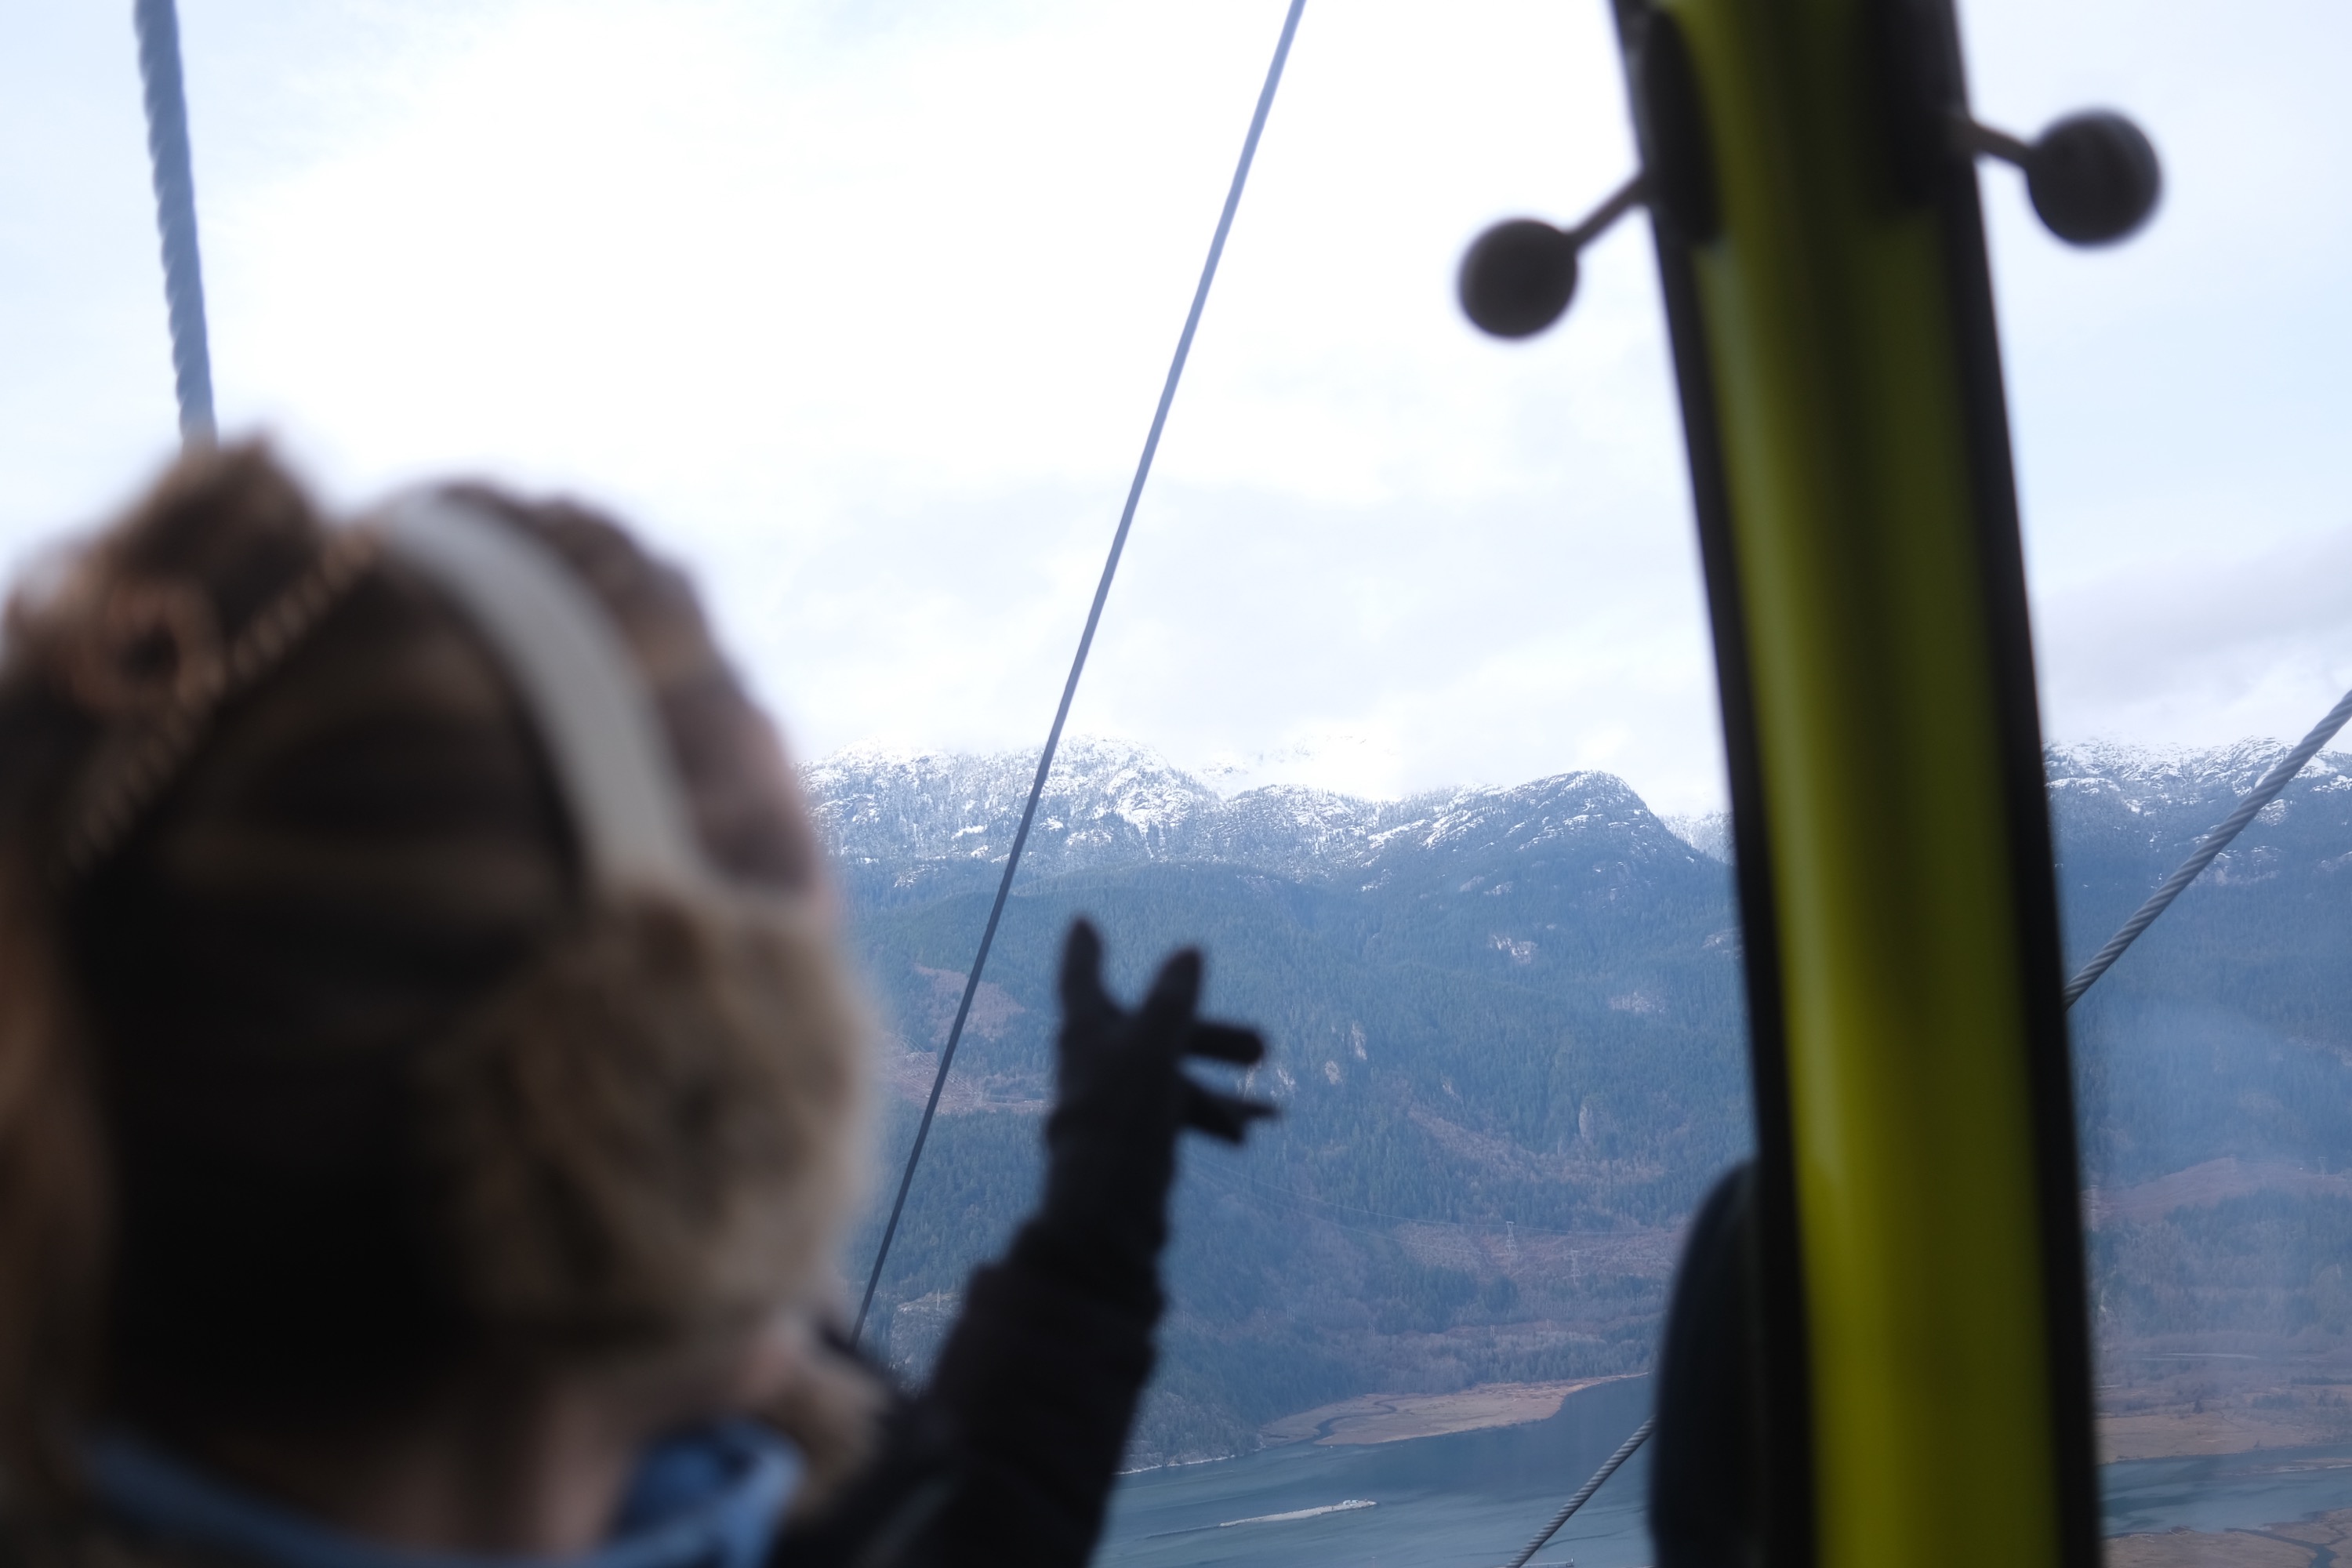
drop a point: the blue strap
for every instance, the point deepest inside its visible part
(712, 1498)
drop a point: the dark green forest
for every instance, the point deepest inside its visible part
(1508, 1039)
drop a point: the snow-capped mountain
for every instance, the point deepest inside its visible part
(1105, 803)
(2125, 817)
(2154, 785)
(1111, 803)
(1508, 1007)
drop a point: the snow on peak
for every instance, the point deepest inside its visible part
(2151, 778)
(1113, 802)
(1110, 801)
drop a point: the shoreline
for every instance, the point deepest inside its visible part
(1375, 1418)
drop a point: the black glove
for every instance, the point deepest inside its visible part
(1123, 1097)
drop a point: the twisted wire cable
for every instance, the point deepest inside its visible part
(1584, 1493)
(157, 25)
(2212, 844)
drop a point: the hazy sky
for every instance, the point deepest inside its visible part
(861, 309)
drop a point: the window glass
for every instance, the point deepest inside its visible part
(1404, 679)
(1403, 706)
(2175, 400)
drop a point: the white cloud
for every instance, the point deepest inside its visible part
(865, 310)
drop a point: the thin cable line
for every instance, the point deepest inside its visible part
(1584, 1493)
(2212, 844)
(157, 25)
(1085, 642)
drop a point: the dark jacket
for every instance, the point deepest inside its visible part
(1007, 1457)
(1009, 1454)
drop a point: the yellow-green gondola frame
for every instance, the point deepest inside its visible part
(1830, 311)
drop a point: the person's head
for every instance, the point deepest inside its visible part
(331, 1071)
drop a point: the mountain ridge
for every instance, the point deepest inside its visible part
(1110, 802)
(1509, 1035)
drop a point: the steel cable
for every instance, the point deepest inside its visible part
(1085, 642)
(2212, 844)
(1584, 1493)
(158, 27)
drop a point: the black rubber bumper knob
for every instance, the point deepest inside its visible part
(1518, 277)
(2094, 178)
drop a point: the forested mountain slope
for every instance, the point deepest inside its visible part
(1508, 1037)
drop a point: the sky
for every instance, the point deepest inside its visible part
(860, 310)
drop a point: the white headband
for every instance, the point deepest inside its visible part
(577, 679)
